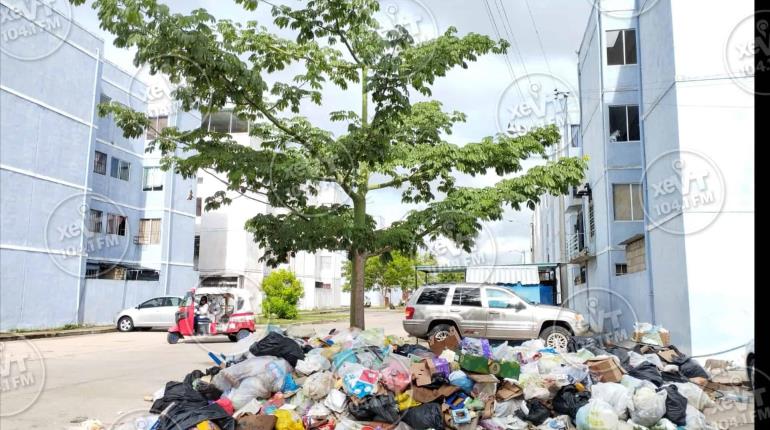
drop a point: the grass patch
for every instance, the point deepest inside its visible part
(305, 317)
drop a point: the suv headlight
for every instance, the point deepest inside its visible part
(579, 317)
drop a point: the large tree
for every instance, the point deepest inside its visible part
(390, 141)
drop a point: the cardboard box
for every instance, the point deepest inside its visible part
(507, 391)
(485, 386)
(605, 369)
(426, 395)
(474, 363)
(422, 372)
(451, 342)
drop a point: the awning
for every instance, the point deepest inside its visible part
(525, 274)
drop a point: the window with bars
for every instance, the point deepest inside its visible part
(149, 231)
(621, 47)
(627, 202)
(100, 163)
(152, 179)
(198, 206)
(95, 221)
(120, 169)
(624, 123)
(621, 269)
(157, 124)
(116, 224)
(224, 122)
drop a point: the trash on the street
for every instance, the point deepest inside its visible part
(365, 379)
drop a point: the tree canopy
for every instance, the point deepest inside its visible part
(390, 141)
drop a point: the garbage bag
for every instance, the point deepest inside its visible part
(622, 354)
(664, 424)
(357, 380)
(375, 408)
(649, 406)
(507, 408)
(616, 395)
(548, 362)
(312, 363)
(534, 386)
(252, 387)
(676, 405)
(405, 401)
(278, 345)
(413, 348)
(536, 412)
(691, 369)
(503, 423)
(504, 352)
(596, 415)
(336, 401)
(426, 416)
(695, 395)
(395, 376)
(207, 390)
(460, 379)
(252, 366)
(476, 346)
(181, 394)
(697, 421)
(568, 400)
(576, 343)
(286, 420)
(648, 372)
(318, 385)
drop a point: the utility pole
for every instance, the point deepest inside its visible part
(563, 262)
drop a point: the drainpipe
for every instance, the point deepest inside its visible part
(80, 303)
(647, 244)
(170, 213)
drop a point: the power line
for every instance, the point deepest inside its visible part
(512, 36)
(507, 60)
(539, 39)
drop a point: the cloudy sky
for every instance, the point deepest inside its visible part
(498, 93)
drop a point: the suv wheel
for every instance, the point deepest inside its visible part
(556, 337)
(440, 332)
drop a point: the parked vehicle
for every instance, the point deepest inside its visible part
(489, 311)
(156, 312)
(750, 364)
(367, 302)
(230, 308)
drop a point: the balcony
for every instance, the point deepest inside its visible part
(579, 249)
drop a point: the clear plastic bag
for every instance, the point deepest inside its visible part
(596, 415)
(616, 395)
(252, 366)
(318, 385)
(649, 406)
(695, 395)
(250, 388)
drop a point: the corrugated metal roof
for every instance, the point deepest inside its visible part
(526, 275)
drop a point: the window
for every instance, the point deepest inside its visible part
(575, 135)
(500, 299)
(326, 262)
(95, 221)
(198, 206)
(100, 163)
(152, 179)
(149, 231)
(116, 224)
(467, 297)
(200, 179)
(624, 123)
(197, 247)
(433, 296)
(92, 271)
(152, 303)
(627, 202)
(120, 169)
(224, 122)
(172, 301)
(238, 125)
(621, 47)
(621, 269)
(157, 124)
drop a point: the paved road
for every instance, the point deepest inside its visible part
(106, 376)
(103, 376)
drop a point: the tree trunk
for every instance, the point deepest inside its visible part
(386, 297)
(357, 291)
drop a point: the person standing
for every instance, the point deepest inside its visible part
(202, 316)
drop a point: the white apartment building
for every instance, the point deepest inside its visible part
(662, 230)
(226, 253)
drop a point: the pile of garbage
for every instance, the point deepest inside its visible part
(363, 379)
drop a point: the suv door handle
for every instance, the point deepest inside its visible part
(454, 310)
(494, 313)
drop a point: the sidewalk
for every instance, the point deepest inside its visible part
(56, 333)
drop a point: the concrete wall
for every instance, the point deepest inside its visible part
(105, 298)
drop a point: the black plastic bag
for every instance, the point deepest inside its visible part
(568, 400)
(676, 405)
(673, 377)
(411, 348)
(437, 380)
(195, 374)
(181, 394)
(691, 369)
(425, 416)
(375, 408)
(622, 354)
(577, 342)
(538, 412)
(179, 417)
(209, 391)
(648, 372)
(278, 345)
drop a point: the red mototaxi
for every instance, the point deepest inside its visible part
(234, 316)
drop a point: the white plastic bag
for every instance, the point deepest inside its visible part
(615, 394)
(318, 385)
(336, 401)
(507, 408)
(654, 359)
(504, 352)
(312, 363)
(548, 362)
(649, 406)
(635, 359)
(252, 366)
(250, 388)
(596, 415)
(695, 396)
(697, 421)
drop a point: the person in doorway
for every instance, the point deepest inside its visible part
(202, 316)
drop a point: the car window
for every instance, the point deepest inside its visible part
(433, 296)
(152, 303)
(501, 299)
(467, 297)
(171, 301)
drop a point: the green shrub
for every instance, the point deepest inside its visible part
(282, 292)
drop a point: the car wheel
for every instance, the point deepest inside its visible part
(232, 337)
(242, 334)
(556, 337)
(750, 370)
(173, 337)
(440, 332)
(125, 324)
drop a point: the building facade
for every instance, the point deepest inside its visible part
(662, 230)
(226, 254)
(89, 222)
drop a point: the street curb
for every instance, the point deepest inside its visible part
(59, 333)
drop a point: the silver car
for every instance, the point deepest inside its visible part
(488, 311)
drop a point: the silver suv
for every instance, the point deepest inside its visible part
(488, 311)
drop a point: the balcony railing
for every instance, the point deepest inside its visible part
(578, 248)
